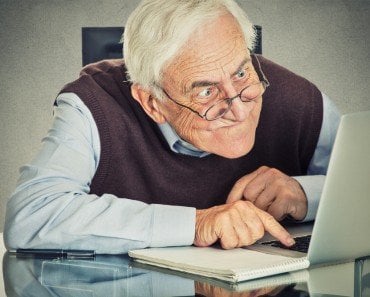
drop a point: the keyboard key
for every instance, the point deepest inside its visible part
(301, 244)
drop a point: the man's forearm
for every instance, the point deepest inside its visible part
(52, 207)
(105, 224)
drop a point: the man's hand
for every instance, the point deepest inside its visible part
(237, 224)
(208, 290)
(271, 190)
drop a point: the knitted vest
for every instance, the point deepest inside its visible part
(137, 163)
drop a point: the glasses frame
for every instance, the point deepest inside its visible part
(262, 80)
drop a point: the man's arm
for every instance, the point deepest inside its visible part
(52, 208)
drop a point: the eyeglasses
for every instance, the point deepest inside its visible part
(221, 107)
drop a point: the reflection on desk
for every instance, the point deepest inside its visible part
(109, 275)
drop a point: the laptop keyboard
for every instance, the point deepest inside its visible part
(301, 244)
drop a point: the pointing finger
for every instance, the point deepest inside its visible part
(274, 228)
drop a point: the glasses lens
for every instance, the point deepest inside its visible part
(248, 94)
(251, 92)
(218, 110)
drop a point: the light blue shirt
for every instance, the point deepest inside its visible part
(52, 197)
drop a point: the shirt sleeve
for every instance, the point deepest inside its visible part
(313, 182)
(52, 208)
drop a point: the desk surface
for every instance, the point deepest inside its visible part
(118, 276)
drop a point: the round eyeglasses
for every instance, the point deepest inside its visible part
(221, 107)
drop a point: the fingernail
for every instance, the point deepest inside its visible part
(290, 241)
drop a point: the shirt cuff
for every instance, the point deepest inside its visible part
(173, 225)
(312, 186)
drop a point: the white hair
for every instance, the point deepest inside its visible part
(157, 30)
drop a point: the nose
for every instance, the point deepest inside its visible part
(239, 110)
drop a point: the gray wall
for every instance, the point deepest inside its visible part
(40, 51)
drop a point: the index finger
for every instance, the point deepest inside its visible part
(274, 228)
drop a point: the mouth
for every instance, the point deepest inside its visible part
(225, 124)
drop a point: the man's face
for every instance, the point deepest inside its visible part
(215, 60)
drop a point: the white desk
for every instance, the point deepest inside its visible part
(337, 280)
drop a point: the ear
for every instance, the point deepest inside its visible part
(148, 103)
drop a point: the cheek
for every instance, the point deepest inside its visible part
(256, 111)
(183, 123)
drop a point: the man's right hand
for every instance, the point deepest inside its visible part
(236, 224)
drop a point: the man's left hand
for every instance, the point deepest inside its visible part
(272, 191)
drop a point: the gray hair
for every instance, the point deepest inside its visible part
(157, 30)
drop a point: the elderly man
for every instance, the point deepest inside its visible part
(190, 140)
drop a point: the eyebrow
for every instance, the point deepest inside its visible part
(207, 83)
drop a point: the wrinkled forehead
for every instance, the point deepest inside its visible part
(216, 49)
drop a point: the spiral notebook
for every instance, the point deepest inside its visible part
(340, 232)
(228, 265)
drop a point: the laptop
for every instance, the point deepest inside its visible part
(340, 233)
(341, 229)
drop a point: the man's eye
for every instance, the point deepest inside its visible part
(242, 73)
(205, 93)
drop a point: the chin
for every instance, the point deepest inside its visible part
(234, 154)
(230, 142)
(235, 151)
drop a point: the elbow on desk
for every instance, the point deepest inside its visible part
(33, 220)
(12, 238)
(22, 228)
(25, 235)
(16, 233)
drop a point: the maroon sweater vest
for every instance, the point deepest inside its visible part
(137, 163)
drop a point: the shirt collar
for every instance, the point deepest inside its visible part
(179, 145)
